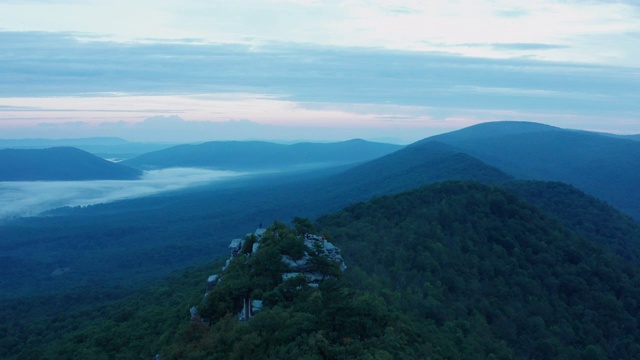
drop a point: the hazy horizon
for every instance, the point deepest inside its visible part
(287, 70)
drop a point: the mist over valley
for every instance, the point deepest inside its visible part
(30, 198)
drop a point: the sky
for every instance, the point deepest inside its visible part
(288, 70)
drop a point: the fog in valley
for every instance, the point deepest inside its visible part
(29, 198)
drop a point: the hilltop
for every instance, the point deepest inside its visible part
(485, 275)
(60, 164)
(601, 165)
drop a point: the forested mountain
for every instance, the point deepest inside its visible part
(454, 270)
(174, 231)
(487, 275)
(411, 167)
(177, 230)
(62, 164)
(105, 147)
(111, 249)
(588, 217)
(258, 155)
(604, 166)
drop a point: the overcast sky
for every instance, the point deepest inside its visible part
(168, 70)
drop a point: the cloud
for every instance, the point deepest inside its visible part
(513, 13)
(31, 198)
(54, 78)
(288, 71)
(528, 46)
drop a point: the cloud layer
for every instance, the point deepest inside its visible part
(54, 78)
(30, 198)
(393, 66)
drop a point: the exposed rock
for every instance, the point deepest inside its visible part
(307, 266)
(260, 232)
(301, 265)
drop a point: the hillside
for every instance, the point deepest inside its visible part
(485, 274)
(453, 270)
(176, 232)
(60, 164)
(188, 228)
(604, 166)
(257, 155)
(590, 218)
(408, 168)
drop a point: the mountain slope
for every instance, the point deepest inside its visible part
(257, 155)
(61, 164)
(409, 168)
(187, 228)
(585, 215)
(451, 270)
(603, 166)
(476, 264)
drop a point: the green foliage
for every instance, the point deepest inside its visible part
(302, 225)
(449, 271)
(586, 216)
(298, 321)
(102, 323)
(491, 275)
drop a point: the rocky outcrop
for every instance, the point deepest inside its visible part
(320, 260)
(317, 246)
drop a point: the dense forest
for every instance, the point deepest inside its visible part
(454, 270)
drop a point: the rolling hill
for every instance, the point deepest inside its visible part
(179, 230)
(588, 217)
(477, 266)
(190, 227)
(257, 155)
(60, 164)
(604, 166)
(454, 270)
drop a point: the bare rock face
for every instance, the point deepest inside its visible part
(317, 246)
(321, 260)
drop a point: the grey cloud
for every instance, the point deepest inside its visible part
(48, 64)
(18, 108)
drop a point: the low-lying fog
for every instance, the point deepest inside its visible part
(27, 198)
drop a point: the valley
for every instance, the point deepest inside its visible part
(434, 231)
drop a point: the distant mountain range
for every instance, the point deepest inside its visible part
(605, 166)
(522, 268)
(62, 164)
(258, 155)
(207, 216)
(105, 147)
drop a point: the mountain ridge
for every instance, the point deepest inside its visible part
(604, 166)
(60, 164)
(261, 155)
